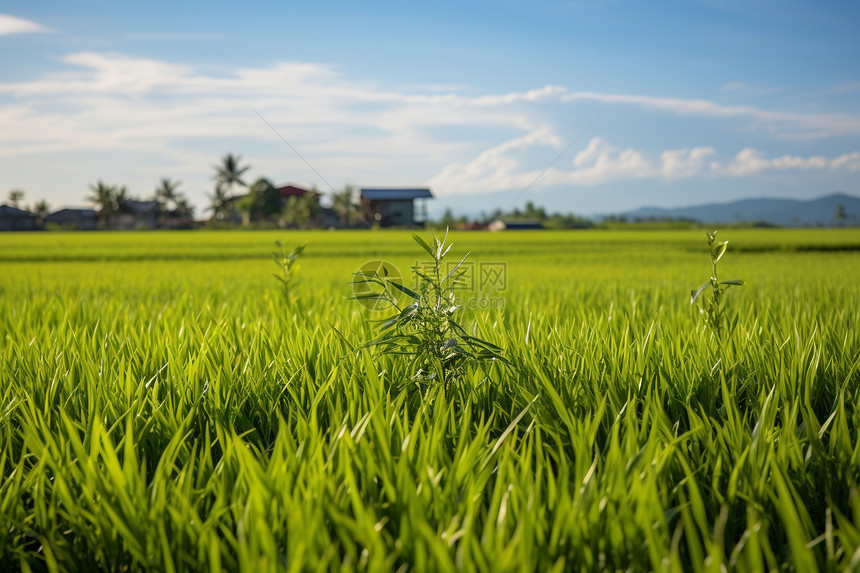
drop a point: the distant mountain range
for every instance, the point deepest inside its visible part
(783, 212)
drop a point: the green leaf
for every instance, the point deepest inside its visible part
(405, 290)
(483, 343)
(367, 296)
(507, 432)
(374, 280)
(403, 316)
(734, 282)
(694, 294)
(441, 254)
(342, 337)
(423, 244)
(455, 268)
(720, 251)
(422, 275)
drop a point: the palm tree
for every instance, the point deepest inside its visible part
(220, 204)
(103, 196)
(184, 208)
(121, 199)
(166, 194)
(229, 173)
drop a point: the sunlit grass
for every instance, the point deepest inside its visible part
(162, 407)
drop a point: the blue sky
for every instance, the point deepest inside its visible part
(589, 106)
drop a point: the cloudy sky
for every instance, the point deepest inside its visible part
(590, 106)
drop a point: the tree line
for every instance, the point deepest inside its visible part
(530, 213)
(232, 201)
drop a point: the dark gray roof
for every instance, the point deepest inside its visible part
(395, 194)
(515, 225)
(10, 212)
(143, 207)
(71, 214)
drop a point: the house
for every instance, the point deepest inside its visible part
(252, 208)
(79, 219)
(174, 221)
(388, 207)
(287, 191)
(138, 215)
(472, 226)
(14, 219)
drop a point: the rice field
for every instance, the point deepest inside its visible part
(164, 407)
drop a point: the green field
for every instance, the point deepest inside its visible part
(164, 407)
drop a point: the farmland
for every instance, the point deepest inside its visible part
(163, 406)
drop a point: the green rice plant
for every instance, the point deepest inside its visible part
(425, 329)
(159, 411)
(287, 264)
(712, 309)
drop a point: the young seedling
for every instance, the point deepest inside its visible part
(287, 264)
(425, 328)
(711, 308)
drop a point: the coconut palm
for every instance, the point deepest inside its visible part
(121, 199)
(220, 203)
(184, 208)
(166, 194)
(229, 173)
(103, 196)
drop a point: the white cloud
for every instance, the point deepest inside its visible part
(600, 162)
(502, 168)
(681, 163)
(496, 168)
(784, 124)
(848, 161)
(360, 131)
(10, 25)
(114, 101)
(109, 90)
(749, 161)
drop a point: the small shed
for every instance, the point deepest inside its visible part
(138, 215)
(15, 219)
(389, 206)
(70, 218)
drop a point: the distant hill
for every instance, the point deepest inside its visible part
(782, 212)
